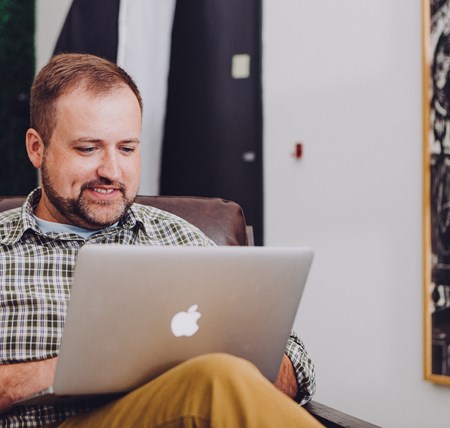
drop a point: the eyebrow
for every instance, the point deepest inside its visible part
(98, 140)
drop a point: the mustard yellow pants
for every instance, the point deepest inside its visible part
(215, 390)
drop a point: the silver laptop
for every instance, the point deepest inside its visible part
(137, 311)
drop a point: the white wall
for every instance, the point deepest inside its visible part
(50, 15)
(345, 78)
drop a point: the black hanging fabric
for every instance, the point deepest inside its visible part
(17, 62)
(213, 130)
(91, 27)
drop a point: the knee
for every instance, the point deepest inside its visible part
(219, 366)
(219, 361)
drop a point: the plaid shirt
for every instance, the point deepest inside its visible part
(36, 271)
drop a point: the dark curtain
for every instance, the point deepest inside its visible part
(213, 130)
(91, 28)
(17, 62)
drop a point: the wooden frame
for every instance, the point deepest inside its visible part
(436, 189)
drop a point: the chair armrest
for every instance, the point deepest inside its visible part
(332, 418)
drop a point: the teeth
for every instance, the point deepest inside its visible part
(104, 191)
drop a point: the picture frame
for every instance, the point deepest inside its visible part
(436, 189)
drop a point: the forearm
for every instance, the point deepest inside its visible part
(20, 380)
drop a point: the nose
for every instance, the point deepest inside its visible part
(109, 167)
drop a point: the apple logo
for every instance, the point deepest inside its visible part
(185, 323)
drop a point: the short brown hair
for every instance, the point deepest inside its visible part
(64, 73)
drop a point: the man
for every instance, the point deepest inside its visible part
(85, 139)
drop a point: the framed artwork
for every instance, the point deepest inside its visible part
(436, 189)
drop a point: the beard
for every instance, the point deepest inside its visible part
(83, 211)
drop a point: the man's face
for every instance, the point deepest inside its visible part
(91, 166)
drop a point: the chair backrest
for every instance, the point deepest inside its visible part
(222, 220)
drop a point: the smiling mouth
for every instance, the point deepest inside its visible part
(103, 191)
(104, 188)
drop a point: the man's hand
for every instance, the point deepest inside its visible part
(286, 380)
(20, 380)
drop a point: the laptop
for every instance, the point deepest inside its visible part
(137, 311)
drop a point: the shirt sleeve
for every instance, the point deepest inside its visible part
(304, 368)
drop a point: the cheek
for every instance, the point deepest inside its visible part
(132, 172)
(73, 176)
(66, 166)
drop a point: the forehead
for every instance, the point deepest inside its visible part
(82, 92)
(81, 101)
(113, 115)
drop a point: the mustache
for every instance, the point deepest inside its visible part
(103, 182)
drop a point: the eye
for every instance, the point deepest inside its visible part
(86, 149)
(128, 149)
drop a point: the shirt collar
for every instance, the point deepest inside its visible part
(28, 220)
(130, 219)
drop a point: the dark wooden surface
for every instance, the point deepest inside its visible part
(332, 418)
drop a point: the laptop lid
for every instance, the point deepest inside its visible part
(137, 311)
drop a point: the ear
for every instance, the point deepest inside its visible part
(35, 147)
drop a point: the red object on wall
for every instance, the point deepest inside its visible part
(298, 151)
